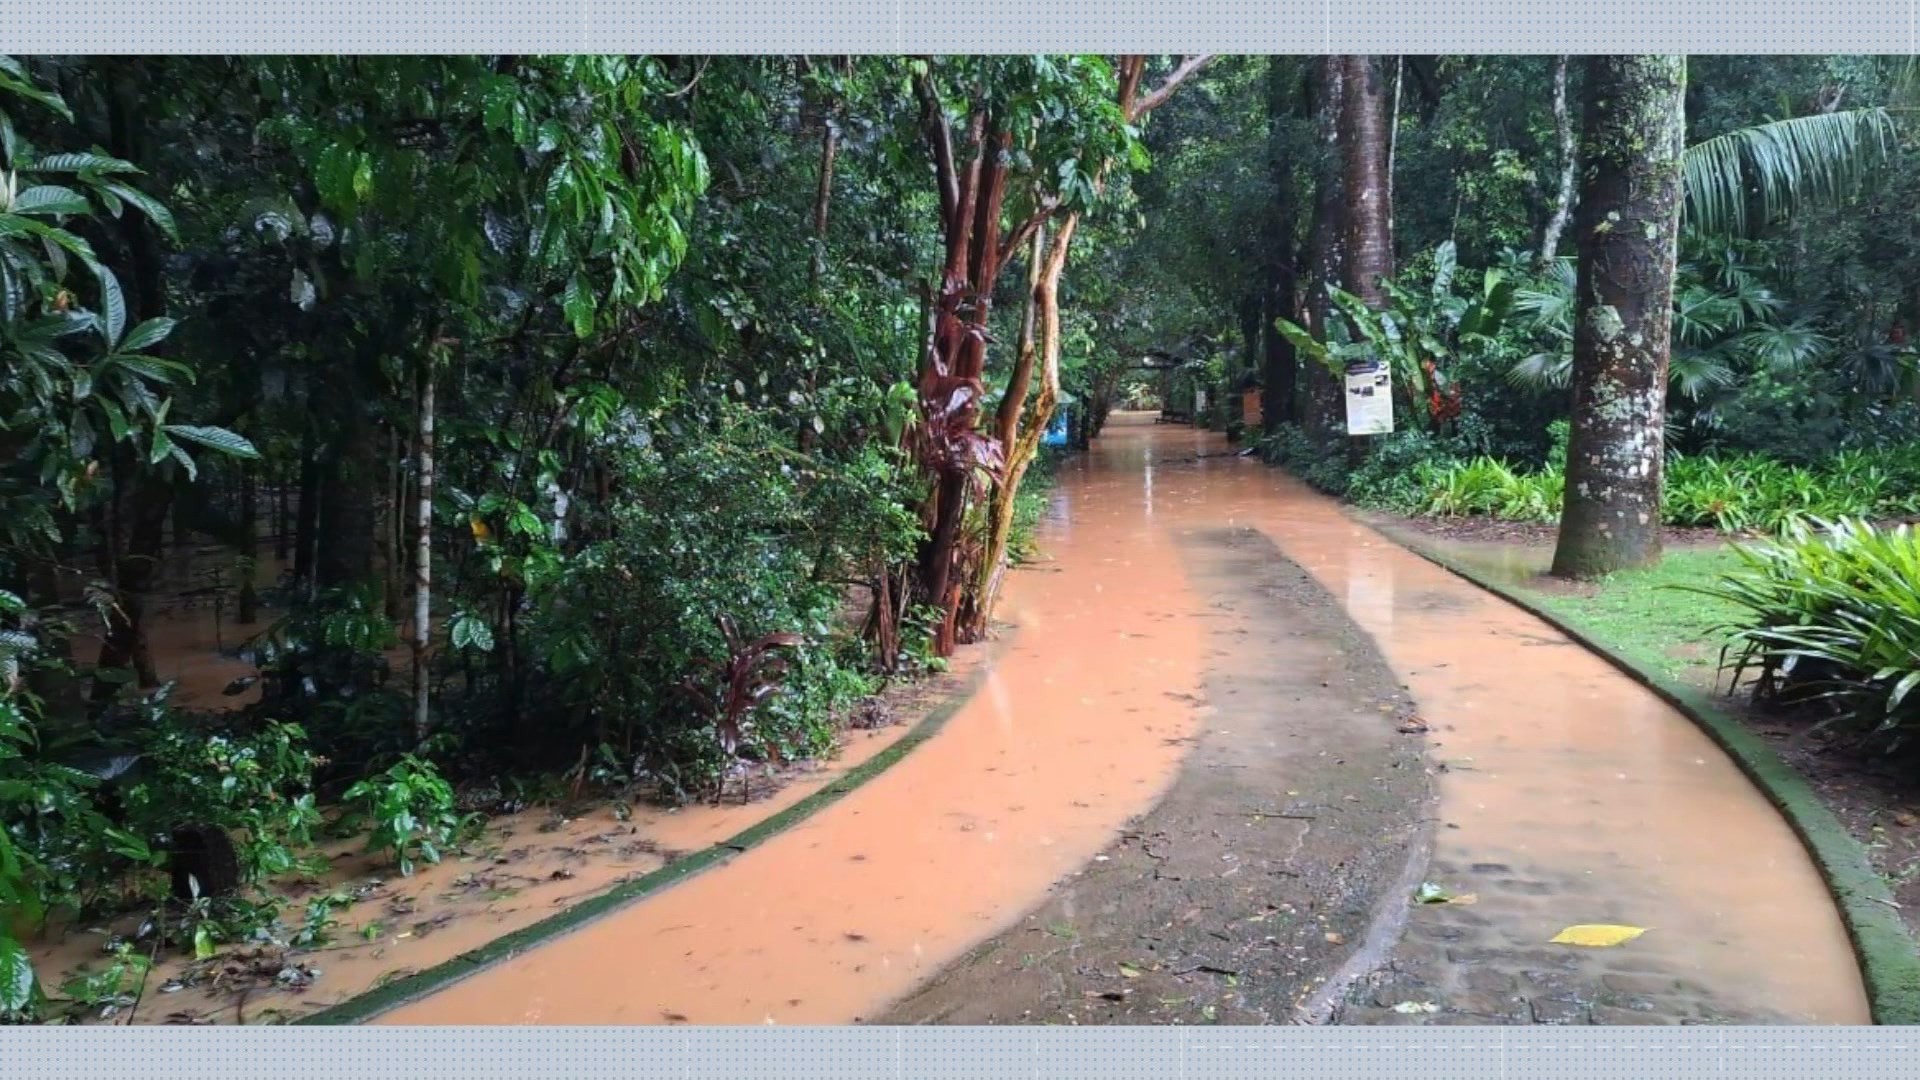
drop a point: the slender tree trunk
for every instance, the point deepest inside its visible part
(1326, 244)
(1626, 228)
(1279, 300)
(1007, 429)
(829, 149)
(393, 532)
(423, 550)
(1569, 167)
(249, 546)
(350, 478)
(282, 518)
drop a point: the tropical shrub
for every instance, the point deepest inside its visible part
(1832, 616)
(412, 812)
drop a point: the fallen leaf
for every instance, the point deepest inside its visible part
(1416, 1007)
(1413, 726)
(1336, 939)
(1465, 898)
(1598, 935)
(1128, 971)
(1429, 893)
(1905, 821)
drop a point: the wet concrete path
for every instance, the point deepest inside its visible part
(1566, 794)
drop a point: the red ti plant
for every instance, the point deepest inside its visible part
(752, 672)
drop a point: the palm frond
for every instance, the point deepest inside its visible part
(1543, 371)
(1785, 164)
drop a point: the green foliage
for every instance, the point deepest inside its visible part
(256, 785)
(1831, 614)
(1421, 335)
(1789, 163)
(412, 811)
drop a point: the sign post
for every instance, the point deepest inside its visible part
(1369, 399)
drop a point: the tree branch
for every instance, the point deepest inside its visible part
(1136, 109)
(940, 135)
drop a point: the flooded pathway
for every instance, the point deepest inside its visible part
(1567, 794)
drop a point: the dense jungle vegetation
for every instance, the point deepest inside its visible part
(623, 421)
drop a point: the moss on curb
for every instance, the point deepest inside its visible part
(365, 1006)
(1889, 962)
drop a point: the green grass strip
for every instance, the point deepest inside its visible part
(365, 1006)
(1889, 962)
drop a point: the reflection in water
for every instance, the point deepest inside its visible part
(1587, 797)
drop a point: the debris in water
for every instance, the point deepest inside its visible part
(1597, 935)
(1413, 725)
(1416, 1007)
(1429, 893)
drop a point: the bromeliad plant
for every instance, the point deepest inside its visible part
(729, 691)
(1833, 616)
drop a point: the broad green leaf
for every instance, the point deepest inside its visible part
(161, 448)
(193, 473)
(155, 210)
(49, 200)
(113, 305)
(227, 442)
(87, 162)
(578, 304)
(16, 975)
(151, 332)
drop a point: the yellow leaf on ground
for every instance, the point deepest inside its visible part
(1598, 936)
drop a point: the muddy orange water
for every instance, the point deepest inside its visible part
(1560, 772)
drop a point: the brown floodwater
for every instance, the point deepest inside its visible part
(1078, 727)
(524, 867)
(1588, 798)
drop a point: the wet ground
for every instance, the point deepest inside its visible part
(1566, 795)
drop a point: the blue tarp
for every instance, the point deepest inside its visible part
(1057, 431)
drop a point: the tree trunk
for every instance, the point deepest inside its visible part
(135, 540)
(392, 531)
(1007, 429)
(282, 520)
(1325, 246)
(1366, 100)
(1369, 207)
(829, 149)
(306, 529)
(250, 544)
(1280, 368)
(423, 550)
(1626, 228)
(1569, 167)
(349, 480)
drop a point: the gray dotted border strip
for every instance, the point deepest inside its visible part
(962, 26)
(935, 1053)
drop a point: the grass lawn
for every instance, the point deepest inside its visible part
(1646, 615)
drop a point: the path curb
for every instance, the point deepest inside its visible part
(1889, 961)
(381, 999)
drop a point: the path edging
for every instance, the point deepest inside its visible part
(371, 1003)
(1889, 963)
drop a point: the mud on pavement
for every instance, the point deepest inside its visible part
(1296, 826)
